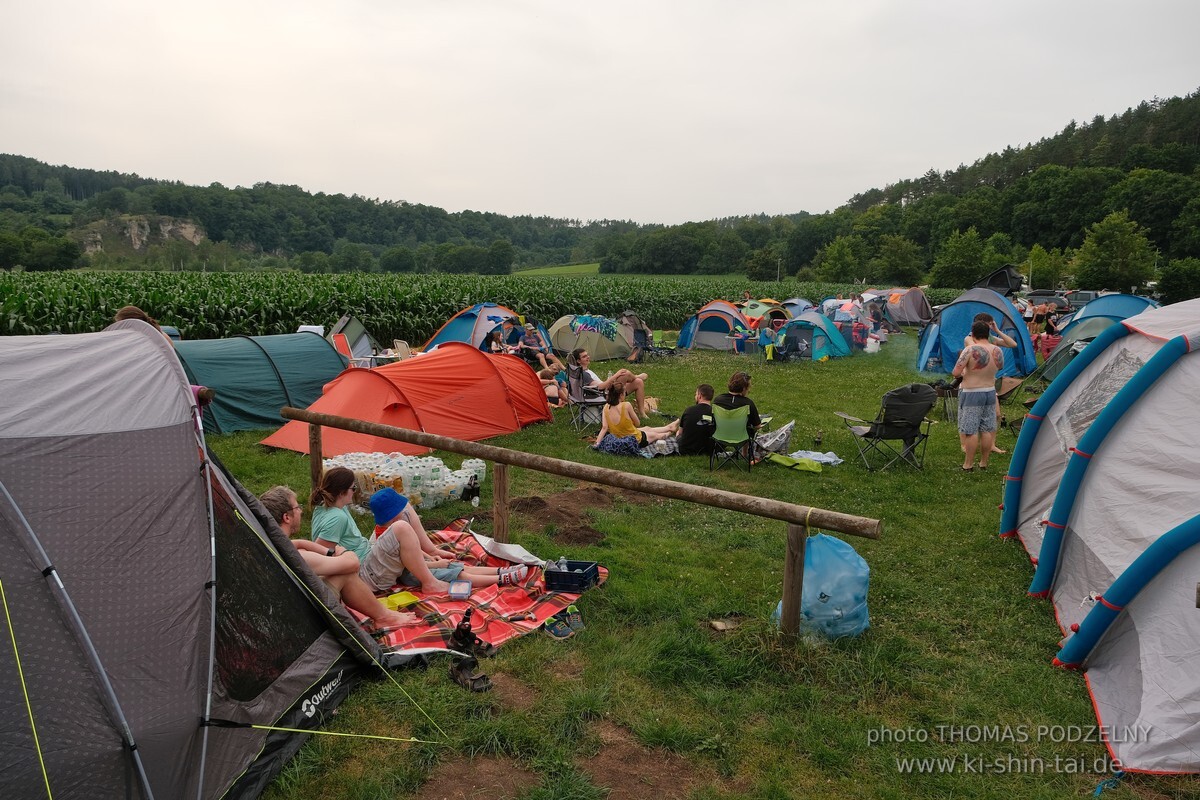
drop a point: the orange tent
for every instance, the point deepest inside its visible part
(456, 390)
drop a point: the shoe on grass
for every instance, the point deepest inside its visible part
(557, 628)
(574, 619)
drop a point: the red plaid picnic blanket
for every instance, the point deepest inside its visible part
(495, 608)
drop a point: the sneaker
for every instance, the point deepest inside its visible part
(511, 576)
(574, 619)
(557, 628)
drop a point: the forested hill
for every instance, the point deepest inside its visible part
(1134, 172)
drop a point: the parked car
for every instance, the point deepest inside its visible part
(1040, 296)
(1081, 297)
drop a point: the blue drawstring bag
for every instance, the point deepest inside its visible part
(834, 600)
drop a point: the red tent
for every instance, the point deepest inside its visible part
(457, 390)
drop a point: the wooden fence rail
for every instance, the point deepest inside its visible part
(800, 519)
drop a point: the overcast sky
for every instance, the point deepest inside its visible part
(655, 112)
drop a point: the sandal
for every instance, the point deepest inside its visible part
(462, 672)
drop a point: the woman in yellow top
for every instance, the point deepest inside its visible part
(620, 420)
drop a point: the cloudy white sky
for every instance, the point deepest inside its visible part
(650, 111)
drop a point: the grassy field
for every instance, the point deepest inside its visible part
(562, 270)
(955, 650)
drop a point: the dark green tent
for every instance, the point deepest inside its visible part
(255, 376)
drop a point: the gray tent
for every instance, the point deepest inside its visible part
(153, 612)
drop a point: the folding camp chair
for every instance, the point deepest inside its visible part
(401, 349)
(902, 418)
(342, 345)
(585, 404)
(731, 440)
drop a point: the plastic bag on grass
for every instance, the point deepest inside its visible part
(834, 600)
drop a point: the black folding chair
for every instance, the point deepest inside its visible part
(584, 404)
(899, 432)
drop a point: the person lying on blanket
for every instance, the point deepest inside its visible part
(396, 522)
(396, 554)
(338, 570)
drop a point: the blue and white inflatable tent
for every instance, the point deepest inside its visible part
(942, 339)
(1102, 492)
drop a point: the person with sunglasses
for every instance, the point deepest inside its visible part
(339, 570)
(632, 384)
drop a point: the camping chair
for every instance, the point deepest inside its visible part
(342, 345)
(585, 404)
(902, 418)
(650, 344)
(401, 349)
(795, 347)
(731, 440)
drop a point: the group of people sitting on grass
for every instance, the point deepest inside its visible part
(622, 431)
(400, 551)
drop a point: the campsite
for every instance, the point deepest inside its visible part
(955, 670)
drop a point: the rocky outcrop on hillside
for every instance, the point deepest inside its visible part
(138, 232)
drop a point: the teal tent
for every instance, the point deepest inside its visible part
(811, 336)
(255, 376)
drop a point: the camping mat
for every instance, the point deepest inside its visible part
(494, 606)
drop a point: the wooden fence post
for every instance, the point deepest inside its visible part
(500, 502)
(793, 580)
(315, 459)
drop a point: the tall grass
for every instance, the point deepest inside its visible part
(954, 640)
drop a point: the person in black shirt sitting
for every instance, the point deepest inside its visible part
(739, 386)
(696, 424)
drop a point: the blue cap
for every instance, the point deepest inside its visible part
(387, 504)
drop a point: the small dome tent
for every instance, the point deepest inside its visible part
(757, 310)
(821, 336)
(796, 306)
(473, 324)
(456, 390)
(1101, 492)
(602, 337)
(905, 306)
(712, 327)
(255, 376)
(942, 339)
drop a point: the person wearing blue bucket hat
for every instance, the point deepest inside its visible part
(403, 553)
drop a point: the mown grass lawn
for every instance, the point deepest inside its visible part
(955, 645)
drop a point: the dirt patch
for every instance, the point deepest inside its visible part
(512, 694)
(631, 772)
(489, 779)
(565, 513)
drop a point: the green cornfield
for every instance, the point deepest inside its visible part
(410, 307)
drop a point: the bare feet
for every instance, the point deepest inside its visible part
(395, 619)
(435, 587)
(998, 450)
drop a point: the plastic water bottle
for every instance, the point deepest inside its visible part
(562, 563)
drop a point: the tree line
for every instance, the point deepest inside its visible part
(1110, 203)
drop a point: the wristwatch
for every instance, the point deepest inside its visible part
(331, 552)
